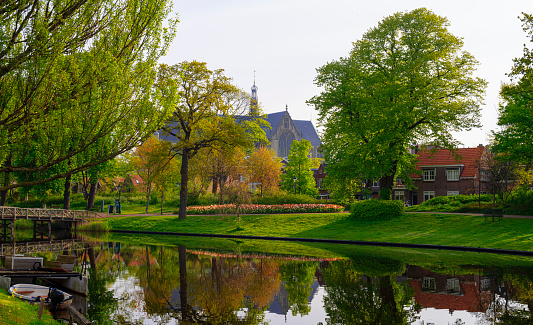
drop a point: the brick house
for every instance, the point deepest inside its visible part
(442, 174)
(320, 174)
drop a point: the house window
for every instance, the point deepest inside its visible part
(452, 193)
(319, 182)
(320, 171)
(452, 174)
(428, 195)
(428, 175)
(399, 195)
(375, 183)
(429, 284)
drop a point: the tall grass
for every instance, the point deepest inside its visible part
(95, 225)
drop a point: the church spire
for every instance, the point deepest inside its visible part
(254, 102)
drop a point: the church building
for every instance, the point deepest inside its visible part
(284, 130)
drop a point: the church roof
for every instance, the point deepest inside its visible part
(307, 130)
(273, 119)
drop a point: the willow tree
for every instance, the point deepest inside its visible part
(405, 81)
(76, 82)
(210, 112)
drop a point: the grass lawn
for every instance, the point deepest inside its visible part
(420, 228)
(17, 312)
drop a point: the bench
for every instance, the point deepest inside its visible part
(493, 214)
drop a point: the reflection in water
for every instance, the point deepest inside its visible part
(161, 285)
(173, 285)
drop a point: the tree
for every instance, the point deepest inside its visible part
(149, 161)
(264, 167)
(75, 75)
(501, 175)
(298, 176)
(208, 114)
(516, 110)
(406, 81)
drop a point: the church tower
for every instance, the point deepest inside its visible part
(254, 102)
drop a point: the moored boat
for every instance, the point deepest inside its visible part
(53, 298)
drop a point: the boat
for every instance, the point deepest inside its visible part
(53, 298)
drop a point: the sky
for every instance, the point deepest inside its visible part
(283, 42)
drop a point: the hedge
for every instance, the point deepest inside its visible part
(377, 209)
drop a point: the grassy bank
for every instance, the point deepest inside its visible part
(17, 312)
(420, 228)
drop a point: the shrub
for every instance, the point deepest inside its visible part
(520, 202)
(377, 209)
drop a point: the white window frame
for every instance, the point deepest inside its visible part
(452, 193)
(319, 182)
(430, 194)
(399, 195)
(428, 174)
(452, 174)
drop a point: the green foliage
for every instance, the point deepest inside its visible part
(385, 194)
(298, 176)
(377, 209)
(520, 202)
(76, 82)
(516, 110)
(405, 81)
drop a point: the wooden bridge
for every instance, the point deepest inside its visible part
(42, 219)
(32, 247)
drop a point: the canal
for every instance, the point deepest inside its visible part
(140, 279)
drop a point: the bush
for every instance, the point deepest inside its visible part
(377, 209)
(520, 202)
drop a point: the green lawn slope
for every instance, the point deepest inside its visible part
(419, 228)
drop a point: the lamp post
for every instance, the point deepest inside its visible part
(294, 183)
(119, 207)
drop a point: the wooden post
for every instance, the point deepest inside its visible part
(40, 311)
(13, 230)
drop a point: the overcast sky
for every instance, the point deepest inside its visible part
(285, 41)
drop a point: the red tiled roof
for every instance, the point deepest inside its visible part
(442, 157)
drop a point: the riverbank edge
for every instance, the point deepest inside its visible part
(28, 313)
(336, 241)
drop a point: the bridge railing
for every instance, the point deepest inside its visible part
(54, 214)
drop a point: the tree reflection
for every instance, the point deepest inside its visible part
(298, 278)
(101, 303)
(353, 298)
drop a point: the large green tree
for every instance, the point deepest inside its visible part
(210, 112)
(76, 78)
(516, 110)
(298, 176)
(405, 81)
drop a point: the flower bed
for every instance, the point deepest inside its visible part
(265, 209)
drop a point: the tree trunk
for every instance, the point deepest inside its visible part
(92, 195)
(92, 258)
(148, 194)
(162, 199)
(183, 188)
(386, 182)
(66, 193)
(3, 194)
(215, 185)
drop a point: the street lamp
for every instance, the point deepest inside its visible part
(294, 183)
(119, 206)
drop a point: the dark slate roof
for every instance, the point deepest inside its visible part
(308, 131)
(274, 119)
